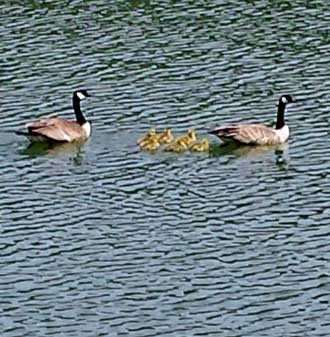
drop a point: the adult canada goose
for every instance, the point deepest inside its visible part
(258, 134)
(55, 129)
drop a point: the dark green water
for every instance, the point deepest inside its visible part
(101, 239)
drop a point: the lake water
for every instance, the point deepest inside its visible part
(101, 239)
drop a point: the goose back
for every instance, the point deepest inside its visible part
(251, 134)
(57, 129)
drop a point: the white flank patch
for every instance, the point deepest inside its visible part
(80, 95)
(65, 135)
(87, 128)
(284, 100)
(283, 133)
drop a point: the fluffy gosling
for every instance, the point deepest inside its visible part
(151, 134)
(166, 137)
(202, 146)
(151, 145)
(189, 139)
(177, 146)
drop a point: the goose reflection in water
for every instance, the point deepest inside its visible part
(72, 151)
(240, 151)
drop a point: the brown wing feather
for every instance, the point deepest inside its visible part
(58, 129)
(254, 134)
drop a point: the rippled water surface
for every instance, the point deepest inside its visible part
(101, 239)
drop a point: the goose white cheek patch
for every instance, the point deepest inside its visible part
(80, 95)
(284, 100)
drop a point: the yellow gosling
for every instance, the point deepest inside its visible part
(166, 137)
(202, 146)
(152, 145)
(189, 139)
(178, 146)
(151, 139)
(150, 134)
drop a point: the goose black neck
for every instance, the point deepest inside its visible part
(76, 107)
(280, 115)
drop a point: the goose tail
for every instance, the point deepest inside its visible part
(213, 132)
(22, 133)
